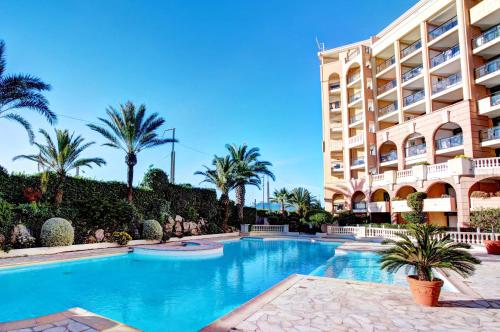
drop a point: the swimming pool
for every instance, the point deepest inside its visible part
(166, 294)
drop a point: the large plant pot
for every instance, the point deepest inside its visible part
(492, 247)
(425, 292)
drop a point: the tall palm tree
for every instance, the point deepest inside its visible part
(302, 200)
(22, 91)
(249, 169)
(130, 130)
(281, 196)
(62, 157)
(223, 176)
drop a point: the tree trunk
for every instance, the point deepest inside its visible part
(224, 202)
(240, 201)
(59, 191)
(131, 161)
(283, 208)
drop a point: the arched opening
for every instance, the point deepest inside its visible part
(415, 149)
(440, 205)
(448, 141)
(485, 194)
(339, 203)
(388, 153)
(335, 116)
(379, 206)
(398, 203)
(359, 202)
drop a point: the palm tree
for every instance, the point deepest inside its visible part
(223, 176)
(302, 200)
(62, 157)
(130, 130)
(281, 196)
(249, 169)
(431, 249)
(22, 91)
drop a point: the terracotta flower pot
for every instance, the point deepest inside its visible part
(492, 247)
(425, 292)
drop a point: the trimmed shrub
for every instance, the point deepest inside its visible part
(416, 204)
(487, 220)
(122, 238)
(479, 194)
(57, 232)
(155, 179)
(152, 230)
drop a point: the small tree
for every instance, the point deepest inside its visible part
(415, 202)
(155, 179)
(486, 219)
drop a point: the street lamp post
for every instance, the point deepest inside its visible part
(172, 155)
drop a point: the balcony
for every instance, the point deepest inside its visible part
(490, 106)
(488, 74)
(412, 73)
(486, 166)
(334, 87)
(443, 28)
(485, 13)
(336, 126)
(389, 112)
(414, 99)
(443, 63)
(444, 204)
(336, 145)
(389, 158)
(488, 44)
(386, 64)
(353, 99)
(491, 137)
(442, 89)
(353, 78)
(337, 166)
(359, 207)
(450, 145)
(410, 49)
(358, 163)
(405, 176)
(379, 207)
(385, 88)
(335, 106)
(355, 141)
(484, 203)
(400, 206)
(415, 153)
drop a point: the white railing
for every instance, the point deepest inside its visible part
(437, 171)
(481, 163)
(404, 176)
(355, 140)
(473, 238)
(336, 145)
(269, 228)
(378, 177)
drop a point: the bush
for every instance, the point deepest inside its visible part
(122, 238)
(318, 218)
(57, 232)
(152, 230)
(155, 179)
(486, 219)
(6, 217)
(479, 194)
(422, 163)
(461, 156)
(416, 204)
(34, 215)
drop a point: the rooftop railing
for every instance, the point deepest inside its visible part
(388, 109)
(490, 134)
(408, 75)
(353, 77)
(386, 64)
(487, 36)
(488, 68)
(413, 98)
(446, 26)
(450, 142)
(387, 86)
(446, 83)
(354, 97)
(445, 55)
(392, 155)
(416, 150)
(411, 48)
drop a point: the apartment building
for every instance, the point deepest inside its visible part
(400, 106)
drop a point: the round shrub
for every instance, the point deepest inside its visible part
(122, 238)
(57, 232)
(152, 230)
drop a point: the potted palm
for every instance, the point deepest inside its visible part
(488, 220)
(421, 250)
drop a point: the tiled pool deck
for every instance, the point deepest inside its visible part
(305, 303)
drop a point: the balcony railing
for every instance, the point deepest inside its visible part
(387, 86)
(334, 86)
(354, 97)
(490, 134)
(495, 99)
(446, 26)
(408, 75)
(355, 140)
(446, 83)
(359, 206)
(449, 142)
(356, 118)
(358, 162)
(416, 150)
(337, 165)
(488, 68)
(388, 109)
(487, 36)
(335, 105)
(392, 155)
(353, 77)
(411, 48)
(386, 64)
(445, 55)
(413, 98)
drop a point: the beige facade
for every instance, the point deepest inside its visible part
(398, 107)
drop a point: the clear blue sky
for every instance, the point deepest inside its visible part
(219, 71)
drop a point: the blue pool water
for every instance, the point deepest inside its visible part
(174, 294)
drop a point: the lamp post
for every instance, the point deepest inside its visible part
(172, 155)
